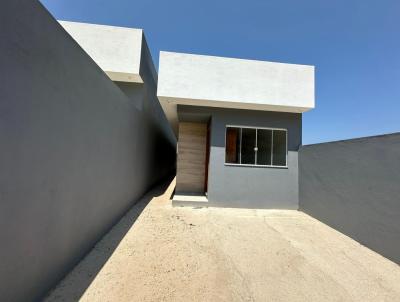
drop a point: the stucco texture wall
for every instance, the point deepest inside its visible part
(75, 151)
(354, 186)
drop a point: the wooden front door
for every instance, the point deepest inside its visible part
(192, 141)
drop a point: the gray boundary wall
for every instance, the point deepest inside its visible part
(75, 154)
(354, 186)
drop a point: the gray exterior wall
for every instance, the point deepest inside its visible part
(249, 187)
(354, 186)
(75, 150)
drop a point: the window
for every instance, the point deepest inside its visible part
(256, 146)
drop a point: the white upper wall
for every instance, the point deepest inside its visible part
(235, 83)
(117, 50)
(199, 80)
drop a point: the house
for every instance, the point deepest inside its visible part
(238, 122)
(239, 128)
(90, 133)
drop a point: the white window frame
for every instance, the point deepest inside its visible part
(255, 160)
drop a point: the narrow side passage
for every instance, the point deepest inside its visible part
(217, 254)
(76, 150)
(78, 281)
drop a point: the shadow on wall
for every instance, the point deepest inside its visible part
(74, 285)
(75, 151)
(354, 186)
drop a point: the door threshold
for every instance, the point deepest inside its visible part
(191, 200)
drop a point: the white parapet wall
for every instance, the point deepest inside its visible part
(117, 50)
(233, 83)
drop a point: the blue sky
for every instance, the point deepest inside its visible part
(354, 45)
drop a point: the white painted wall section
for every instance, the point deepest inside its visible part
(233, 83)
(117, 50)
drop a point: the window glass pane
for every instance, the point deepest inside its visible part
(264, 138)
(279, 148)
(232, 145)
(248, 145)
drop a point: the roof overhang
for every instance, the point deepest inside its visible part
(117, 50)
(199, 80)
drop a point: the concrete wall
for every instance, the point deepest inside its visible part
(354, 186)
(117, 50)
(75, 150)
(200, 77)
(198, 80)
(249, 187)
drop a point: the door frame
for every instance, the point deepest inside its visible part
(207, 156)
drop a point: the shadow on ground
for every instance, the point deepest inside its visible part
(76, 282)
(162, 253)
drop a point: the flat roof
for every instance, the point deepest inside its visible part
(117, 50)
(200, 80)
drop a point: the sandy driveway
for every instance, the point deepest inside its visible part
(187, 254)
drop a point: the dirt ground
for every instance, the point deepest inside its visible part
(160, 253)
